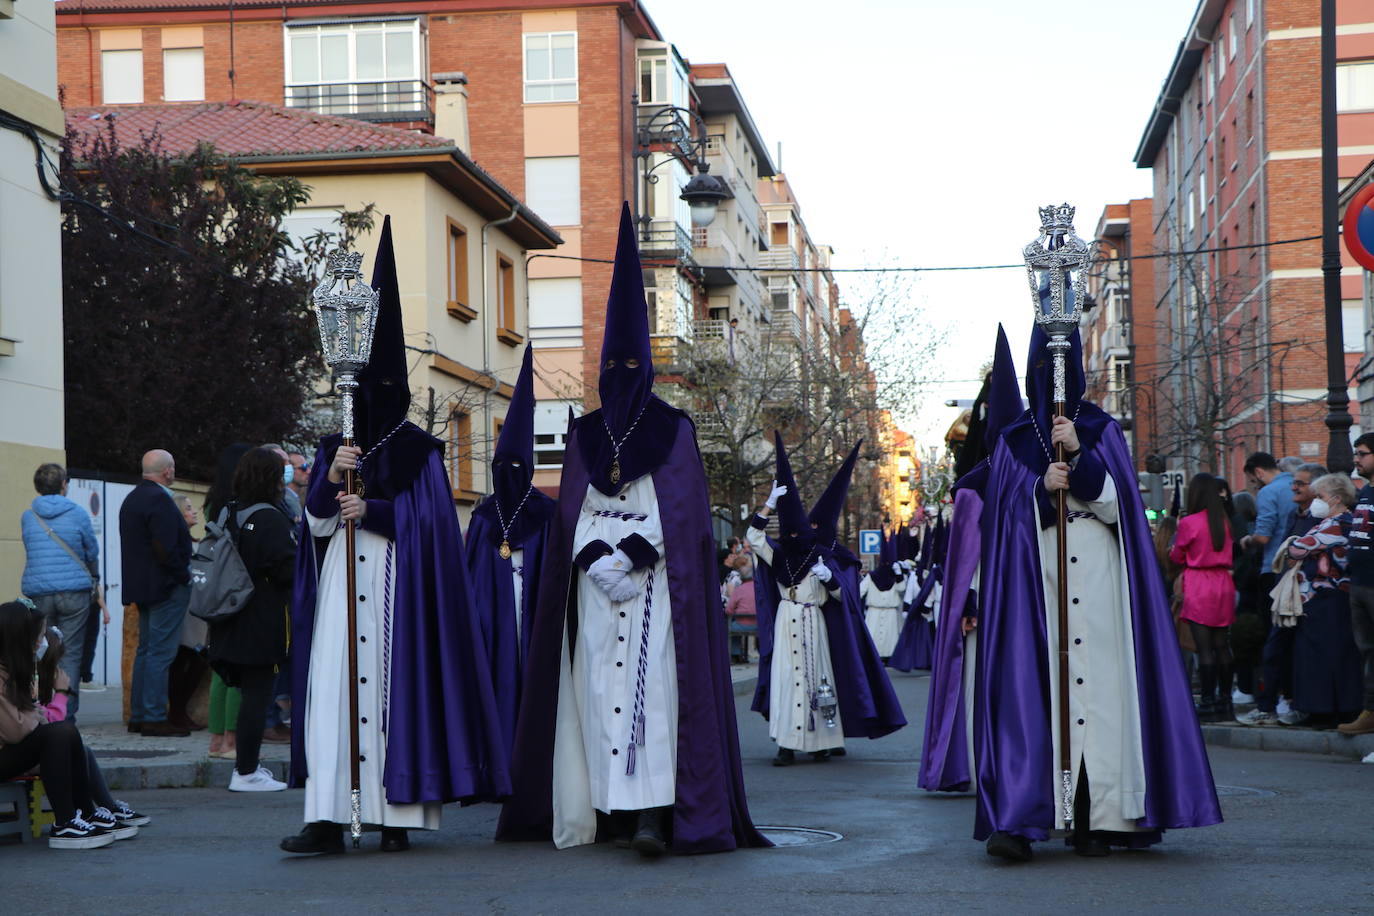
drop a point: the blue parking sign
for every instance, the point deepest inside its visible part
(870, 540)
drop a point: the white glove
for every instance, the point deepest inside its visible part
(624, 590)
(909, 565)
(610, 570)
(773, 495)
(898, 569)
(822, 572)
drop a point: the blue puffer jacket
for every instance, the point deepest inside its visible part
(48, 568)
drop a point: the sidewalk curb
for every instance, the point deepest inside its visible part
(203, 774)
(124, 773)
(1293, 740)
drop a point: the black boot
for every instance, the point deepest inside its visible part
(1007, 846)
(1207, 701)
(1224, 711)
(316, 837)
(648, 839)
(395, 839)
(1086, 842)
(820, 756)
(837, 752)
(785, 757)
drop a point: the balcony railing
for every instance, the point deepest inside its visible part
(784, 324)
(780, 257)
(389, 100)
(665, 238)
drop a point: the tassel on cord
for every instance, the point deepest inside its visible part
(637, 719)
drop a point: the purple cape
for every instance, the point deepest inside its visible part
(868, 705)
(710, 813)
(1011, 719)
(493, 597)
(944, 751)
(443, 735)
(915, 644)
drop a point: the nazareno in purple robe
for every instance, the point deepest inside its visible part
(710, 813)
(1011, 718)
(493, 594)
(869, 707)
(443, 733)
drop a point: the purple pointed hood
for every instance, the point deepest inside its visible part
(383, 397)
(825, 514)
(1004, 391)
(794, 530)
(625, 389)
(512, 462)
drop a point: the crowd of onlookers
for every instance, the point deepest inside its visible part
(47, 638)
(1273, 592)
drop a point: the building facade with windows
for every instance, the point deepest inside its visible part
(461, 242)
(31, 367)
(1121, 360)
(1234, 144)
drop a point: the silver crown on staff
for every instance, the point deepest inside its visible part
(346, 310)
(1057, 268)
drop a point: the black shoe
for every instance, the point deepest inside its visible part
(837, 752)
(648, 839)
(163, 730)
(622, 828)
(1090, 847)
(785, 757)
(395, 839)
(820, 756)
(318, 837)
(135, 727)
(1006, 846)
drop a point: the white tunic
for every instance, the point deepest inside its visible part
(326, 712)
(615, 646)
(1104, 706)
(517, 578)
(801, 662)
(882, 614)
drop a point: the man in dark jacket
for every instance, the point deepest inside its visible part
(156, 547)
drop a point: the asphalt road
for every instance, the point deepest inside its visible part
(1307, 847)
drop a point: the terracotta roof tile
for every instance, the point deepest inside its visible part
(250, 129)
(72, 7)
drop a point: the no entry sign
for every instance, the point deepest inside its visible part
(1359, 227)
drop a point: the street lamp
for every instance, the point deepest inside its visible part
(671, 127)
(1339, 456)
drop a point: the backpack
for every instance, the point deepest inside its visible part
(220, 583)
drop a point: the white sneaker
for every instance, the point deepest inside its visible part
(260, 781)
(1257, 717)
(1293, 717)
(1241, 699)
(1283, 708)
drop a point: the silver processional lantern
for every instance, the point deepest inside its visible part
(827, 704)
(1057, 267)
(346, 309)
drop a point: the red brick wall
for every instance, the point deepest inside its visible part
(488, 48)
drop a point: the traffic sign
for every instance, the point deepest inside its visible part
(1359, 227)
(870, 541)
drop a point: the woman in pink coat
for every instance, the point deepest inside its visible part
(1203, 548)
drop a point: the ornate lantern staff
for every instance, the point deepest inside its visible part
(346, 309)
(1056, 264)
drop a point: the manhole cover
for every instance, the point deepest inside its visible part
(140, 754)
(1244, 792)
(799, 836)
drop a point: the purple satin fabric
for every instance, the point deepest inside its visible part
(1011, 727)
(944, 751)
(443, 735)
(915, 649)
(493, 597)
(869, 707)
(710, 813)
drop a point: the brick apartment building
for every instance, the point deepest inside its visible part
(1234, 141)
(574, 106)
(1120, 355)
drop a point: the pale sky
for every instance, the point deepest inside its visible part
(928, 132)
